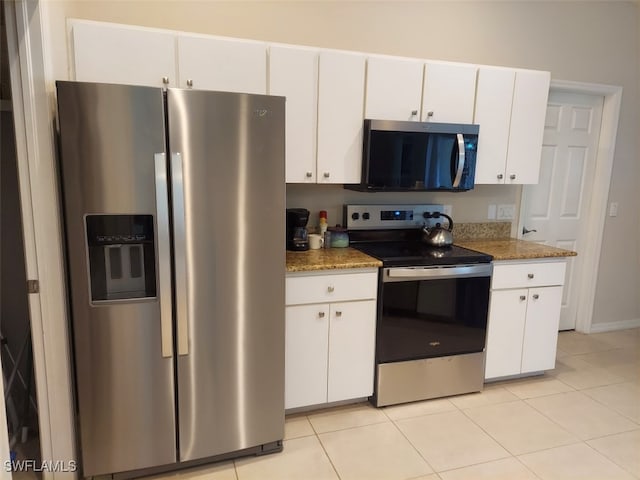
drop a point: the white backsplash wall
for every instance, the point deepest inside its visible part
(471, 206)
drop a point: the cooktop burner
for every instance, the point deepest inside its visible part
(408, 253)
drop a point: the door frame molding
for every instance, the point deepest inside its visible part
(37, 176)
(596, 216)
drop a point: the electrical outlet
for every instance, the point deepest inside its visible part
(506, 212)
(491, 212)
(613, 209)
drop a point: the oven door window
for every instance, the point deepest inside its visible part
(432, 318)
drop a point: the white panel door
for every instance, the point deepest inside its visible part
(530, 94)
(505, 332)
(449, 93)
(493, 114)
(293, 73)
(352, 338)
(306, 350)
(394, 88)
(541, 329)
(555, 210)
(229, 65)
(122, 54)
(340, 117)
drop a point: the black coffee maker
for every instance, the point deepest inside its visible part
(297, 238)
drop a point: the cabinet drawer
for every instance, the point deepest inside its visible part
(524, 275)
(331, 288)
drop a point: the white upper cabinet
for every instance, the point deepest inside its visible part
(530, 95)
(449, 92)
(293, 73)
(340, 117)
(493, 114)
(510, 109)
(225, 64)
(110, 53)
(394, 88)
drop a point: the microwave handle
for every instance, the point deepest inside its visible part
(461, 159)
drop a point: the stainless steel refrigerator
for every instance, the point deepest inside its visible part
(174, 208)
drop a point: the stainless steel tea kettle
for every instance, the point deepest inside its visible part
(438, 236)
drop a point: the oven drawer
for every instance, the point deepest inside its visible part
(525, 275)
(331, 288)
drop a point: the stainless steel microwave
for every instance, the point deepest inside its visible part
(418, 156)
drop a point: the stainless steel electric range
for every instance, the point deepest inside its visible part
(432, 305)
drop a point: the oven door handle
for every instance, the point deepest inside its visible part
(426, 273)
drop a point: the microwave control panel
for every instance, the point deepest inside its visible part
(366, 217)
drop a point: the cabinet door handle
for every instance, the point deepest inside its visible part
(512, 176)
(429, 114)
(500, 176)
(338, 313)
(321, 314)
(414, 113)
(522, 298)
(309, 174)
(326, 174)
(536, 296)
(531, 275)
(330, 289)
(190, 83)
(165, 80)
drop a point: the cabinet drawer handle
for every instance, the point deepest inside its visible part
(531, 275)
(522, 298)
(536, 296)
(321, 314)
(338, 313)
(330, 289)
(165, 80)
(190, 83)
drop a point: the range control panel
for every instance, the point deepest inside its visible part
(365, 217)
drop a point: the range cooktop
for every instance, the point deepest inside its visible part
(408, 253)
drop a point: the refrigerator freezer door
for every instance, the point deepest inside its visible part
(231, 381)
(109, 135)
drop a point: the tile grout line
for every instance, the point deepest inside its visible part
(317, 435)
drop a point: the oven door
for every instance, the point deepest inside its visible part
(430, 312)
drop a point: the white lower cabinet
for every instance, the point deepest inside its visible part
(524, 314)
(330, 345)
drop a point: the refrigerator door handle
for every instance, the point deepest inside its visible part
(179, 239)
(164, 253)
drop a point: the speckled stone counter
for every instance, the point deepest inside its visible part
(512, 249)
(329, 259)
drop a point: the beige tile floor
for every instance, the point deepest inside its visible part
(580, 421)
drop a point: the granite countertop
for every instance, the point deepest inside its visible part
(513, 249)
(329, 259)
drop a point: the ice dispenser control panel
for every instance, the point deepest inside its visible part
(121, 257)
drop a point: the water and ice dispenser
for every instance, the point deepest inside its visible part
(121, 257)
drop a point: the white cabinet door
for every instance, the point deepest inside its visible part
(306, 350)
(293, 73)
(541, 329)
(493, 114)
(505, 332)
(340, 117)
(394, 88)
(123, 54)
(528, 111)
(449, 93)
(351, 350)
(230, 65)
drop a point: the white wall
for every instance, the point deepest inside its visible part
(581, 41)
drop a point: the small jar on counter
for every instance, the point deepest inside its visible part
(339, 237)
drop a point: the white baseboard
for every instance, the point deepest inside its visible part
(611, 326)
